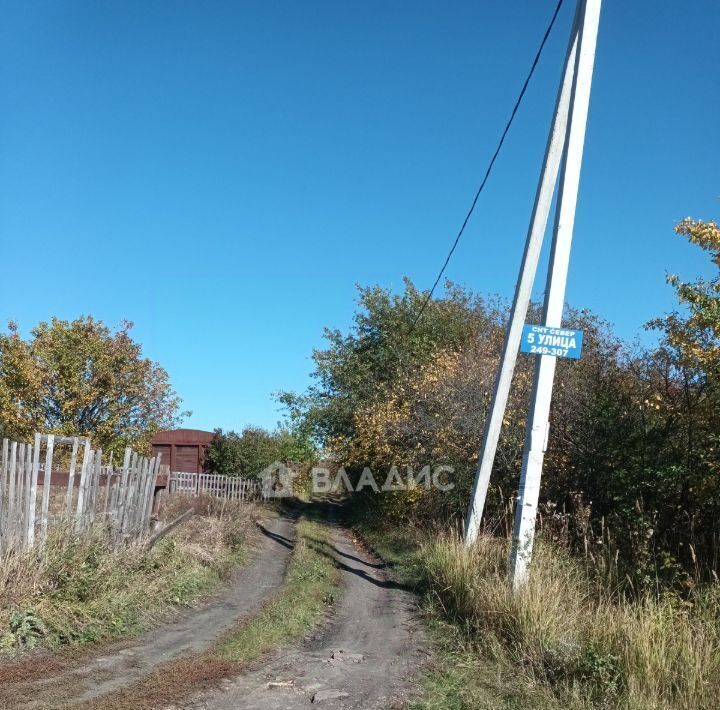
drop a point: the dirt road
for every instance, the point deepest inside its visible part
(365, 657)
(365, 654)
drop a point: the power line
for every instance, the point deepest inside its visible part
(492, 162)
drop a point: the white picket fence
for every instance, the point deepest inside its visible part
(211, 484)
(118, 498)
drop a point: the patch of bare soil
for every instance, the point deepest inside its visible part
(43, 683)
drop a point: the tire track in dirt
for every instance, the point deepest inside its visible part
(196, 631)
(365, 657)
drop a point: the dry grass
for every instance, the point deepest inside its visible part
(79, 590)
(564, 633)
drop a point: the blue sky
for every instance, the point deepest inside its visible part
(224, 173)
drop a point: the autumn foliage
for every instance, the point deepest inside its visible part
(82, 378)
(631, 472)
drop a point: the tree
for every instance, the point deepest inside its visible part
(386, 342)
(249, 453)
(695, 332)
(692, 343)
(692, 347)
(82, 378)
(634, 435)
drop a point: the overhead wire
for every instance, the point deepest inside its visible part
(491, 164)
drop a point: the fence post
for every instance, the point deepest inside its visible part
(20, 493)
(3, 467)
(139, 497)
(151, 493)
(71, 477)
(28, 484)
(108, 483)
(82, 486)
(121, 493)
(33, 493)
(133, 481)
(46, 486)
(95, 485)
(10, 496)
(3, 473)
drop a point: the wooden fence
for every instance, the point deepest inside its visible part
(120, 499)
(210, 484)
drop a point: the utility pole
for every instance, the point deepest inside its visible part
(538, 426)
(565, 145)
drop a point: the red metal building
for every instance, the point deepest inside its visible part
(183, 449)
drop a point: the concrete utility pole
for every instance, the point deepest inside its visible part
(565, 144)
(538, 426)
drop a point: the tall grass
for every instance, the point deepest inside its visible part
(564, 631)
(79, 589)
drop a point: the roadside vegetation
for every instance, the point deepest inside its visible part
(563, 631)
(79, 590)
(623, 606)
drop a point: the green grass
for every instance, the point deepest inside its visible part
(311, 584)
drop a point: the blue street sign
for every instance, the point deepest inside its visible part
(543, 340)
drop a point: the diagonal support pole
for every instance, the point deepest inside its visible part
(523, 288)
